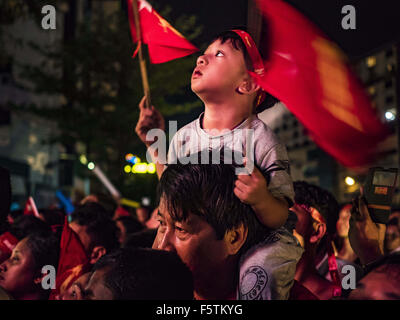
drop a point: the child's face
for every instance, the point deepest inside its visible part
(16, 273)
(219, 71)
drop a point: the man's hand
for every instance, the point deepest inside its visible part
(366, 237)
(149, 118)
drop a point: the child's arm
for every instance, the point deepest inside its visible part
(252, 189)
(150, 118)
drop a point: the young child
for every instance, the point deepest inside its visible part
(222, 80)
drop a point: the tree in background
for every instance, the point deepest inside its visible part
(99, 88)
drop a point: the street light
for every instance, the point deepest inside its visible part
(349, 181)
(90, 165)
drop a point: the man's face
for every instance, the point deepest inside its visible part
(377, 285)
(194, 240)
(392, 237)
(74, 292)
(219, 71)
(96, 288)
(303, 224)
(17, 273)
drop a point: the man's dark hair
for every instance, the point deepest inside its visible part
(320, 199)
(107, 202)
(131, 224)
(206, 190)
(100, 226)
(146, 274)
(141, 239)
(27, 224)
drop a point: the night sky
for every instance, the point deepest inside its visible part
(377, 22)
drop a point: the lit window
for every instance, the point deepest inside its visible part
(371, 61)
(371, 90)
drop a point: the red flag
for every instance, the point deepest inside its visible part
(73, 261)
(30, 208)
(308, 72)
(164, 42)
(7, 244)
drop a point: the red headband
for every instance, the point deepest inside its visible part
(255, 57)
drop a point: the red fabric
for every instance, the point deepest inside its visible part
(73, 261)
(299, 292)
(308, 72)
(164, 42)
(7, 244)
(30, 208)
(121, 212)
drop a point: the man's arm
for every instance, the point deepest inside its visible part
(366, 237)
(150, 118)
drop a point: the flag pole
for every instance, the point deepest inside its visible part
(142, 62)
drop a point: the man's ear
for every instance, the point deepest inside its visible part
(235, 238)
(248, 86)
(319, 226)
(97, 253)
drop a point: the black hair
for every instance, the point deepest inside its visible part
(238, 44)
(107, 202)
(206, 190)
(44, 249)
(27, 224)
(141, 239)
(100, 226)
(53, 216)
(131, 224)
(320, 199)
(146, 274)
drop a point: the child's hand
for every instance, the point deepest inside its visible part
(149, 118)
(251, 189)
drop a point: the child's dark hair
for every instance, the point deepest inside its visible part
(238, 44)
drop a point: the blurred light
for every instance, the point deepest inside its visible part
(135, 160)
(349, 181)
(139, 168)
(371, 90)
(128, 156)
(90, 165)
(127, 168)
(389, 67)
(151, 168)
(83, 159)
(146, 201)
(371, 61)
(389, 115)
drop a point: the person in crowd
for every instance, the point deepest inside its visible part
(28, 224)
(21, 275)
(211, 229)
(141, 239)
(317, 212)
(74, 292)
(345, 251)
(143, 214)
(127, 226)
(105, 200)
(382, 272)
(95, 229)
(139, 274)
(392, 237)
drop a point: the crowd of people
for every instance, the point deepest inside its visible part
(208, 245)
(214, 234)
